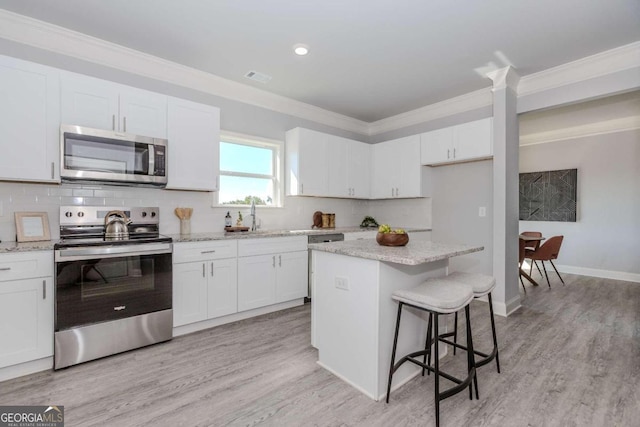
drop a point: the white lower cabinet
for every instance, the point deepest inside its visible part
(26, 307)
(271, 271)
(205, 281)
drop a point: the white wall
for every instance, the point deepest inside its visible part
(297, 212)
(606, 236)
(458, 191)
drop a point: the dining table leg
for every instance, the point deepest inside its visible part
(529, 278)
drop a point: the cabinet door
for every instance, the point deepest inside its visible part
(292, 280)
(410, 173)
(338, 167)
(89, 102)
(436, 146)
(189, 293)
(30, 127)
(473, 140)
(384, 171)
(256, 281)
(26, 320)
(359, 169)
(312, 173)
(194, 146)
(143, 112)
(223, 287)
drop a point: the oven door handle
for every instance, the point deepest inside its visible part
(76, 254)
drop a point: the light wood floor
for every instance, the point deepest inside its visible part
(569, 357)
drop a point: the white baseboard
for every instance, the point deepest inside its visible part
(505, 309)
(594, 272)
(26, 368)
(206, 324)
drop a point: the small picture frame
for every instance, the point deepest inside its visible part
(32, 226)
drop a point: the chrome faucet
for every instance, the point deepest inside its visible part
(253, 214)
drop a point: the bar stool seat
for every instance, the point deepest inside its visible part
(482, 285)
(437, 296)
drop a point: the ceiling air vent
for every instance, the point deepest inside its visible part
(259, 77)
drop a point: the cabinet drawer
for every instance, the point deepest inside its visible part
(201, 251)
(26, 265)
(271, 245)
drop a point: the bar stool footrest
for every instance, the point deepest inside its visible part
(486, 358)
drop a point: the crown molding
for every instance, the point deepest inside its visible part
(43, 35)
(503, 78)
(582, 131)
(600, 64)
(449, 107)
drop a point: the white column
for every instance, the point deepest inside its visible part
(506, 297)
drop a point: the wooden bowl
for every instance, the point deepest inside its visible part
(392, 239)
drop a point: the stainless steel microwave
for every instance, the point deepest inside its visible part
(95, 155)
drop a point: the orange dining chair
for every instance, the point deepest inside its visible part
(548, 251)
(531, 246)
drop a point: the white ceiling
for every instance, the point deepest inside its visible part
(369, 59)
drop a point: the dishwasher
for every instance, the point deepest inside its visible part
(319, 238)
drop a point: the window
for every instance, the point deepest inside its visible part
(250, 168)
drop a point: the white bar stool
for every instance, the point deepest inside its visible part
(436, 296)
(482, 285)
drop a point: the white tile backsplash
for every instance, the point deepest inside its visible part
(297, 212)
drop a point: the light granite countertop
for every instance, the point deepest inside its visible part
(414, 253)
(221, 235)
(9, 247)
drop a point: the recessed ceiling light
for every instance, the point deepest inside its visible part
(301, 49)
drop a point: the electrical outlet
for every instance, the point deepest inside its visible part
(342, 283)
(482, 211)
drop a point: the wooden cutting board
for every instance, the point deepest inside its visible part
(234, 229)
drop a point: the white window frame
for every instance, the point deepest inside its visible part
(277, 166)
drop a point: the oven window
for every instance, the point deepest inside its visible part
(115, 276)
(90, 153)
(103, 289)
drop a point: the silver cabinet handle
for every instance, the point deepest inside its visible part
(397, 192)
(52, 169)
(274, 261)
(448, 151)
(203, 270)
(454, 153)
(124, 124)
(279, 260)
(212, 268)
(44, 289)
(113, 122)
(301, 188)
(208, 252)
(5, 268)
(392, 192)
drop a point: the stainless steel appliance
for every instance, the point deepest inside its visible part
(319, 238)
(90, 155)
(112, 295)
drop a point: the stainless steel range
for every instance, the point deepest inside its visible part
(113, 290)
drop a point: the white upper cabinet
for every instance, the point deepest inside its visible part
(194, 145)
(460, 143)
(100, 104)
(359, 170)
(307, 158)
(397, 172)
(323, 165)
(30, 125)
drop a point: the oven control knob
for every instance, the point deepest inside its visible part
(153, 214)
(144, 214)
(81, 214)
(68, 214)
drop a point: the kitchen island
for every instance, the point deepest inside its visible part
(353, 315)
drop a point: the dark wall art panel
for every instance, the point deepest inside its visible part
(549, 195)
